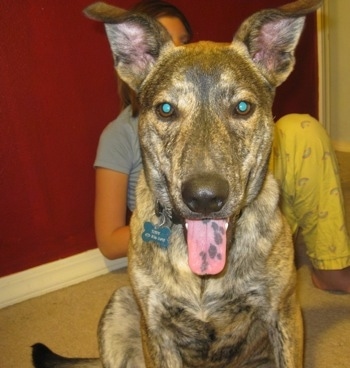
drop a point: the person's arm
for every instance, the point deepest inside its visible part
(112, 232)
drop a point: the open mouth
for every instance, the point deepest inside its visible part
(206, 242)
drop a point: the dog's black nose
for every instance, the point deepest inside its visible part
(205, 193)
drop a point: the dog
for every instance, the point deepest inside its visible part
(211, 257)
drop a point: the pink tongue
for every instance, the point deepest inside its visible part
(206, 241)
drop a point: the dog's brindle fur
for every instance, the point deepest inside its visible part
(205, 129)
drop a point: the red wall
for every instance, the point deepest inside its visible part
(57, 92)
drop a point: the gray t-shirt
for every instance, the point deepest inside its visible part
(119, 150)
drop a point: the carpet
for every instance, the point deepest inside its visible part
(66, 320)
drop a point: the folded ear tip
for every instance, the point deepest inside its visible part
(301, 7)
(103, 12)
(90, 10)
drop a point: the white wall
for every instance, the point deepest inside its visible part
(338, 22)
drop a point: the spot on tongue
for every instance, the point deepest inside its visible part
(206, 242)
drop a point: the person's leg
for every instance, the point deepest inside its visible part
(305, 166)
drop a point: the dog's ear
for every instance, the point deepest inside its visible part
(272, 35)
(103, 12)
(136, 40)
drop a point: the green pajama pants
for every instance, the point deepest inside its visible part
(305, 166)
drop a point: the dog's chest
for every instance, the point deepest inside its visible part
(215, 333)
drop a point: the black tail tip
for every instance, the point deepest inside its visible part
(40, 354)
(43, 357)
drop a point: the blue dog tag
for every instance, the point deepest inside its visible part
(156, 234)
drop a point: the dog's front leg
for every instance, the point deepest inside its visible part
(159, 349)
(286, 335)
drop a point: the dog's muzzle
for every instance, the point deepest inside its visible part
(205, 194)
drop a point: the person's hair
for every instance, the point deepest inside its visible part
(155, 9)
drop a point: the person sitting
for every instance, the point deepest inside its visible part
(302, 161)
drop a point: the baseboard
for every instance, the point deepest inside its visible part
(341, 146)
(55, 275)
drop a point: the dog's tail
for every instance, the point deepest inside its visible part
(43, 357)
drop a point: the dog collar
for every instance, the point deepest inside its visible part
(164, 215)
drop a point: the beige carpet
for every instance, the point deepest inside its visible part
(66, 320)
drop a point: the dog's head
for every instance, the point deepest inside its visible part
(205, 120)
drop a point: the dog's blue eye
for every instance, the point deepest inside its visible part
(165, 110)
(243, 108)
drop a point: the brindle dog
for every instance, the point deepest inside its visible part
(211, 256)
